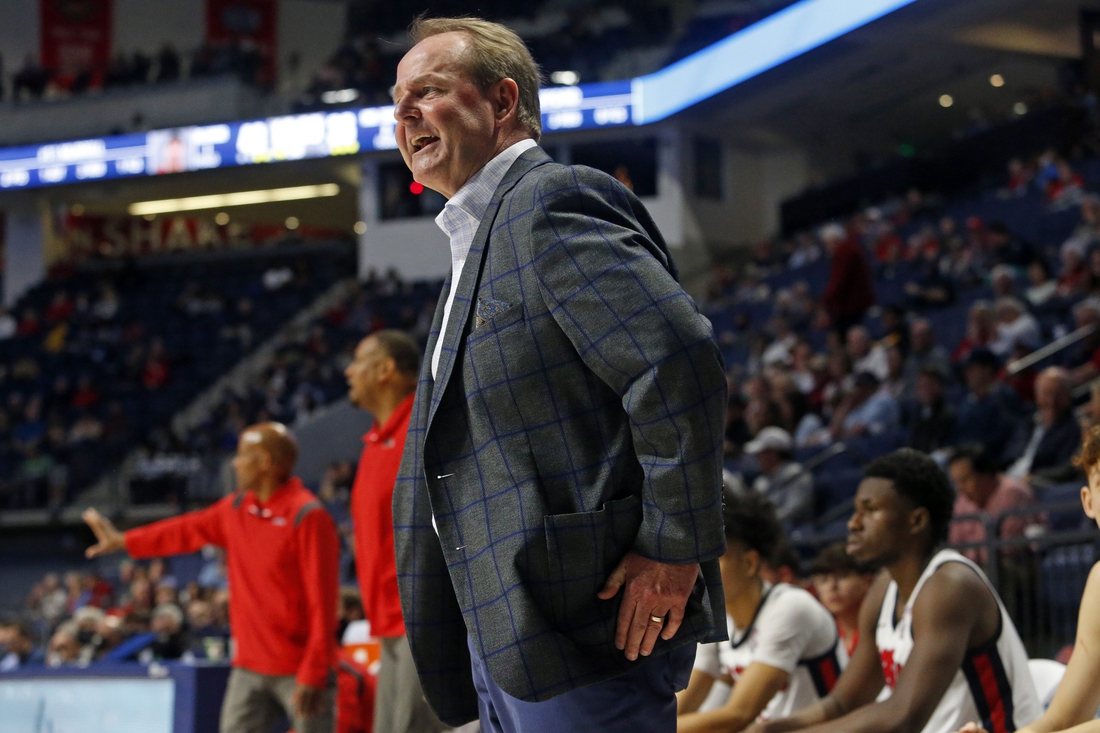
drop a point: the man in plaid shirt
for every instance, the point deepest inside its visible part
(558, 512)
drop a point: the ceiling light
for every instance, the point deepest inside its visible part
(360, 227)
(240, 198)
(292, 222)
(946, 100)
(340, 96)
(568, 78)
(221, 219)
(1020, 108)
(997, 80)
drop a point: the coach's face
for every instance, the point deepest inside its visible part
(447, 128)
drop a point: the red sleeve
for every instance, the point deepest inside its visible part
(180, 535)
(319, 556)
(839, 274)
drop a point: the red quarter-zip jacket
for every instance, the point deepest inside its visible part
(283, 563)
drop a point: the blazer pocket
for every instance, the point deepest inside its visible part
(582, 549)
(494, 327)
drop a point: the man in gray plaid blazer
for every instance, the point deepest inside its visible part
(558, 512)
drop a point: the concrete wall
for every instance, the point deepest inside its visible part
(416, 248)
(337, 435)
(19, 33)
(147, 25)
(24, 252)
(169, 105)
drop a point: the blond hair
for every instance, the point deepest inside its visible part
(495, 52)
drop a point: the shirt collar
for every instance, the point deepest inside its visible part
(400, 414)
(472, 199)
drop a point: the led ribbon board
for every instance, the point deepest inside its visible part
(288, 137)
(791, 32)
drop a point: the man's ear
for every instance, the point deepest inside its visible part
(505, 97)
(1086, 502)
(919, 520)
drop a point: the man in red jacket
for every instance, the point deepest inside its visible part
(283, 557)
(850, 292)
(382, 380)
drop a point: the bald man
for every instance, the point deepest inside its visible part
(283, 557)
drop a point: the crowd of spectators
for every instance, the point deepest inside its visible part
(31, 81)
(142, 612)
(94, 365)
(845, 338)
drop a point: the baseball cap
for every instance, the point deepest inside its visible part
(770, 439)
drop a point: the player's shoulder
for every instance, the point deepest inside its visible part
(954, 589)
(786, 601)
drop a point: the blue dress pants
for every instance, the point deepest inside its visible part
(641, 701)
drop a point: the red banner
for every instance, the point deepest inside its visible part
(102, 237)
(248, 29)
(76, 37)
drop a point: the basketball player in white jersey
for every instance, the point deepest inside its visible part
(1078, 697)
(784, 651)
(932, 629)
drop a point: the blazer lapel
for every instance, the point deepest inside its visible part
(466, 288)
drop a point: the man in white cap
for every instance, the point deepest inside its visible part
(785, 483)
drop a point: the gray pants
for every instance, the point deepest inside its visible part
(399, 704)
(253, 702)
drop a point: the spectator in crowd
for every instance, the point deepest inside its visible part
(1006, 248)
(981, 329)
(782, 480)
(1079, 356)
(1015, 327)
(931, 288)
(1041, 284)
(867, 410)
(782, 640)
(934, 418)
(924, 351)
(841, 584)
(989, 413)
(849, 293)
(895, 329)
(170, 642)
(737, 428)
(1047, 448)
(17, 648)
(930, 615)
(64, 648)
(983, 490)
(866, 355)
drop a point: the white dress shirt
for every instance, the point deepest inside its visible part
(461, 217)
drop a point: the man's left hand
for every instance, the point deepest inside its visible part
(654, 600)
(308, 701)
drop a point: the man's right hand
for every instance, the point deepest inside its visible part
(110, 539)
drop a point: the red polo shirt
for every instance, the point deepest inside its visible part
(372, 512)
(283, 561)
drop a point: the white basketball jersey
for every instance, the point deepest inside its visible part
(791, 631)
(992, 687)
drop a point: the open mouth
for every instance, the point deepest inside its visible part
(423, 141)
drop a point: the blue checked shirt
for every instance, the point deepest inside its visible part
(461, 216)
